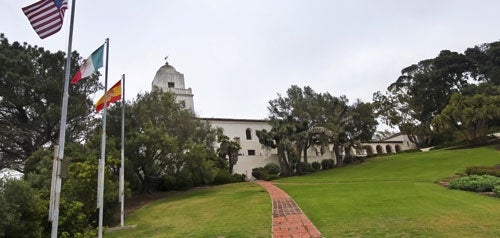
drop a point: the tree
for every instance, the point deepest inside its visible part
(421, 92)
(281, 138)
(485, 62)
(22, 211)
(471, 115)
(303, 118)
(162, 137)
(31, 80)
(228, 149)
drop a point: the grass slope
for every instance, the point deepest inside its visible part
(395, 196)
(235, 210)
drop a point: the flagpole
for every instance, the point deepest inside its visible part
(122, 157)
(62, 129)
(102, 161)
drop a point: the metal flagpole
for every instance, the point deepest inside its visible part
(122, 165)
(102, 161)
(62, 131)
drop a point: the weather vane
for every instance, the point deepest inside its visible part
(166, 59)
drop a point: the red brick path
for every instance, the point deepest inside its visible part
(288, 219)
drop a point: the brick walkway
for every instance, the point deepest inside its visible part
(288, 219)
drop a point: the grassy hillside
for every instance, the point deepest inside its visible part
(234, 210)
(393, 196)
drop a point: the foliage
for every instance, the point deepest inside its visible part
(77, 215)
(496, 190)
(269, 172)
(475, 183)
(483, 170)
(22, 210)
(272, 168)
(30, 101)
(316, 165)
(304, 118)
(228, 149)
(166, 145)
(304, 168)
(327, 164)
(223, 177)
(472, 115)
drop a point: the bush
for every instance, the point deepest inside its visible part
(316, 165)
(268, 172)
(222, 177)
(483, 170)
(304, 168)
(236, 178)
(475, 183)
(496, 190)
(272, 168)
(260, 173)
(327, 164)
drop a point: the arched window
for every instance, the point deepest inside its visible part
(249, 134)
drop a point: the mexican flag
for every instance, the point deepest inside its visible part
(90, 65)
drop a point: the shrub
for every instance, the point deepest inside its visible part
(258, 173)
(316, 165)
(272, 168)
(222, 177)
(476, 183)
(327, 164)
(304, 168)
(263, 173)
(483, 170)
(496, 190)
(236, 178)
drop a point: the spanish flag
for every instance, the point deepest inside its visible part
(114, 94)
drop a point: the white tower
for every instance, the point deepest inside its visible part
(169, 80)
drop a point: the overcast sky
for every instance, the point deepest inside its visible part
(236, 55)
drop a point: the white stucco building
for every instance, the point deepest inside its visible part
(252, 153)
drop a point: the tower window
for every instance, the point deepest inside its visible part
(249, 134)
(171, 85)
(251, 152)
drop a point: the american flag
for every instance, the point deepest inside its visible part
(46, 16)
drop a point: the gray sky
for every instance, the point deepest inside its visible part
(237, 55)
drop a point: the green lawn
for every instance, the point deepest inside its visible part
(235, 210)
(393, 196)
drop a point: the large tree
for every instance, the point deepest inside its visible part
(31, 83)
(303, 118)
(421, 92)
(471, 115)
(162, 137)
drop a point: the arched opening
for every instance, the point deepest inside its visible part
(249, 134)
(379, 149)
(398, 148)
(369, 150)
(388, 149)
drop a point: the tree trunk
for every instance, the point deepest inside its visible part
(286, 168)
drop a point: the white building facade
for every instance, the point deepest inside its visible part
(252, 153)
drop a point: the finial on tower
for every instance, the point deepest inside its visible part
(166, 60)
